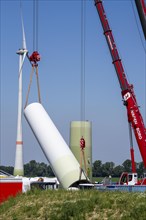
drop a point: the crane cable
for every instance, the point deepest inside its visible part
(35, 25)
(82, 140)
(143, 45)
(83, 31)
(35, 57)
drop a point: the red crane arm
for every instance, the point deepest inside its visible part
(133, 113)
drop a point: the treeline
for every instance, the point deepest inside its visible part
(109, 168)
(99, 169)
(32, 169)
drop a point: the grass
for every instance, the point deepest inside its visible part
(76, 205)
(99, 179)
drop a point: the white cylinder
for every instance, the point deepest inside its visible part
(61, 159)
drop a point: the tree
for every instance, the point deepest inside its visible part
(30, 169)
(127, 165)
(50, 171)
(37, 169)
(140, 168)
(8, 169)
(41, 169)
(97, 168)
(107, 169)
(118, 170)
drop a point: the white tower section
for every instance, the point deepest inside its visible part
(18, 168)
(61, 159)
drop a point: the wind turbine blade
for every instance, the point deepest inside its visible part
(23, 34)
(24, 55)
(28, 58)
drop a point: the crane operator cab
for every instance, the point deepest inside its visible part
(128, 179)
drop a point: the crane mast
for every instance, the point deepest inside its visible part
(129, 99)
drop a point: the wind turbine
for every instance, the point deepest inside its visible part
(18, 168)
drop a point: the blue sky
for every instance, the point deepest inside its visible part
(59, 43)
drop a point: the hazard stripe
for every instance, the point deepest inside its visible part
(19, 142)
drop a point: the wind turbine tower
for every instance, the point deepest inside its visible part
(18, 168)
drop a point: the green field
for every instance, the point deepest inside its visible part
(99, 179)
(78, 205)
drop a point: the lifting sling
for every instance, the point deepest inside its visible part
(34, 68)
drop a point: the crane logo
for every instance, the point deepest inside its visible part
(139, 133)
(135, 122)
(134, 117)
(127, 96)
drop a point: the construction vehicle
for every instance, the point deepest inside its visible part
(132, 179)
(135, 119)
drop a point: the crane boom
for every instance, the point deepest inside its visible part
(127, 91)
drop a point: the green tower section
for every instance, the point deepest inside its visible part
(77, 130)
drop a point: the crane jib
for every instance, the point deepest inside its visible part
(112, 46)
(133, 113)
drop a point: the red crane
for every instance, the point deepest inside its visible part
(127, 91)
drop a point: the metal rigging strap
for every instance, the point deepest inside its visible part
(34, 67)
(38, 86)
